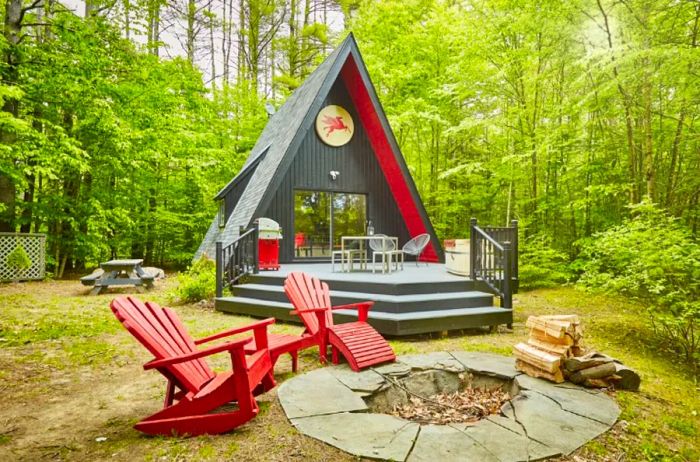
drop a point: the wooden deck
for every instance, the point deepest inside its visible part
(431, 272)
(410, 301)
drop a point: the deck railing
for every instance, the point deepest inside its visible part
(494, 258)
(237, 259)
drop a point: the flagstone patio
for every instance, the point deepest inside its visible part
(542, 419)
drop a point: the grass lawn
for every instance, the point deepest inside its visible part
(69, 374)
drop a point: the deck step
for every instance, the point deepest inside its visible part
(377, 284)
(383, 302)
(406, 323)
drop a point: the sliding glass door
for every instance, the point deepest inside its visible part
(322, 217)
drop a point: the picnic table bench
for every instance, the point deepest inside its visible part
(119, 273)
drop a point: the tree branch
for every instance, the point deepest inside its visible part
(23, 11)
(35, 4)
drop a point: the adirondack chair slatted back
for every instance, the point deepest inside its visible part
(306, 292)
(163, 334)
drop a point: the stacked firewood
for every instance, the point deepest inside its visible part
(554, 351)
(552, 339)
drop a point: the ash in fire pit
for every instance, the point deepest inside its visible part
(466, 406)
(442, 397)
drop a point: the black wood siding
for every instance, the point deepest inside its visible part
(359, 173)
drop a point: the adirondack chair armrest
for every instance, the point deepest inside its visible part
(361, 307)
(354, 306)
(237, 330)
(228, 346)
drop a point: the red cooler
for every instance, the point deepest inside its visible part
(269, 235)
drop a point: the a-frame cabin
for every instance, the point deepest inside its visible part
(320, 176)
(326, 165)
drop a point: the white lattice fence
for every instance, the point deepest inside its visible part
(34, 245)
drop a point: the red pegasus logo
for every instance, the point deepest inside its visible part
(334, 123)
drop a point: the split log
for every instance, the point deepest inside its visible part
(597, 383)
(595, 372)
(542, 336)
(552, 348)
(628, 378)
(556, 329)
(533, 371)
(538, 358)
(584, 362)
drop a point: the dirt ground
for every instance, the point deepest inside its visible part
(72, 385)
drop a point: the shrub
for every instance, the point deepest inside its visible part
(541, 266)
(198, 282)
(19, 261)
(653, 259)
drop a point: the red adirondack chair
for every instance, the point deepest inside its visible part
(194, 391)
(357, 341)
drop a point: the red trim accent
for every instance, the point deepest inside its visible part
(385, 156)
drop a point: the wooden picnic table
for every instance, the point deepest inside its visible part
(119, 273)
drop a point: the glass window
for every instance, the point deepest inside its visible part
(321, 218)
(222, 213)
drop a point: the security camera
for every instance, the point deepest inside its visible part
(334, 174)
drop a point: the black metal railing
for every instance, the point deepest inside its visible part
(494, 258)
(237, 259)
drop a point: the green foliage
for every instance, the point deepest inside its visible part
(123, 151)
(654, 259)
(517, 109)
(198, 282)
(541, 266)
(18, 259)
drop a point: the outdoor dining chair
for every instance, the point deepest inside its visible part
(348, 256)
(381, 246)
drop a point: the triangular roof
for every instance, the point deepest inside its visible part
(274, 151)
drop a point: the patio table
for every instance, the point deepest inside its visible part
(120, 273)
(361, 239)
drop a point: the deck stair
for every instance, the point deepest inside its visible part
(403, 305)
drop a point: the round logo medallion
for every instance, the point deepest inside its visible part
(334, 125)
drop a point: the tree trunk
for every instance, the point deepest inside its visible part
(153, 27)
(650, 168)
(28, 202)
(293, 47)
(127, 19)
(629, 128)
(242, 67)
(191, 11)
(227, 40)
(12, 31)
(212, 48)
(150, 240)
(675, 147)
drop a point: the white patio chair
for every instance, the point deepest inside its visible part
(415, 247)
(381, 246)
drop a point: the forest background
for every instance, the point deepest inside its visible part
(122, 118)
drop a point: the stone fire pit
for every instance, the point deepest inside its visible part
(346, 410)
